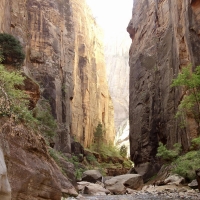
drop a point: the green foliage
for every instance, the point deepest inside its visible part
(98, 137)
(168, 155)
(127, 164)
(195, 144)
(191, 83)
(11, 50)
(45, 121)
(54, 154)
(187, 164)
(91, 158)
(123, 151)
(13, 101)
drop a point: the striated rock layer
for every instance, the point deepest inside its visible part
(91, 103)
(32, 173)
(64, 54)
(165, 38)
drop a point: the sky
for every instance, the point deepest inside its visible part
(112, 15)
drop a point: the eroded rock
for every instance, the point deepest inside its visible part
(118, 184)
(91, 176)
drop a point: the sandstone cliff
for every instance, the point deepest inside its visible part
(91, 103)
(165, 37)
(64, 54)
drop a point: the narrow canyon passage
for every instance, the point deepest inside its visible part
(99, 99)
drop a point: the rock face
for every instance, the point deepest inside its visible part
(91, 102)
(117, 67)
(32, 173)
(5, 191)
(64, 54)
(165, 38)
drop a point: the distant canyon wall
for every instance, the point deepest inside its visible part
(117, 67)
(165, 38)
(64, 54)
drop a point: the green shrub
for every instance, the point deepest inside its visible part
(46, 123)
(123, 151)
(13, 101)
(168, 155)
(195, 144)
(11, 50)
(190, 81)
(187, 164)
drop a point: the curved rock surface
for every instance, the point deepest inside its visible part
(165, 38)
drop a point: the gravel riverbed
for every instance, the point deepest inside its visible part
(164, 195)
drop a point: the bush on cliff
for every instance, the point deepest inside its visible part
(190, 104)
(168, 155)
(13, 101)
(184, 165)
(11, 50)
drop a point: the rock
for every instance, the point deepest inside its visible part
(95, 189)
(193, 184)
(160, 37)
(130, 191)
(146, 170)
(32, 173)
(174, 179)
(198, 177)
(118, 184)
(77, 148)
(5, 190)
(66, 81)
(81, 185)
(91, 176)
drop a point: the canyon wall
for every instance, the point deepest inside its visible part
(165, 38)
(92, 102)
(117, 67)
(64, 55)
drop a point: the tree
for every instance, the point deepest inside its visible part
(98, 136)
(123, 151)
(191, 83)
(13, 101)
(11, 50)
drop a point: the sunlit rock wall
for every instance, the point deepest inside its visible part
(165, 38)
(92, 102)
(64, 54)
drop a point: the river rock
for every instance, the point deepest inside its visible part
(198, 177)
(174, 179)
(118, 184)
(193, 184)
(91, 176)
(95, 189)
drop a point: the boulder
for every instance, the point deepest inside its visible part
(198, 177)
(193, 184)
(95, 189)
(174, 179)
(118, 184)
(91, 176)
(81, 185)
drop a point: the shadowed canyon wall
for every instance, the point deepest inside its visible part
(165, 38)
